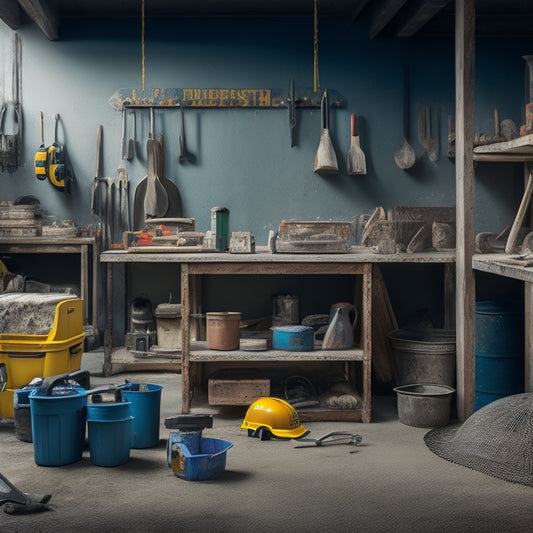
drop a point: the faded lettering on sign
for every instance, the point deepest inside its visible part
(227, 97)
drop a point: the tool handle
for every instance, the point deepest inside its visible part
(354, 125)
(42, 129)
(98, 150)
(123, 153)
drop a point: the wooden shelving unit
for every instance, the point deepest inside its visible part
(190, 267)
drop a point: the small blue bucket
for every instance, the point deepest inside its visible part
(145, 408)
(208, 463)
(58, 425)
(109, 431)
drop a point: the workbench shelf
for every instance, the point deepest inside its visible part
(199, 355)
(519, 150)
(190, 267)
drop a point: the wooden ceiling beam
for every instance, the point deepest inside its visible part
(361, 4)
(45, 18)
(382, 13)
(418, 13)
(11, 13)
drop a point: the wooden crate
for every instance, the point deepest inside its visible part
(229, 391)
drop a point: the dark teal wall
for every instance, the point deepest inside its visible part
(244, 159)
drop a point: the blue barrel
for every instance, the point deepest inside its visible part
(499, 350)
(145, 408)
(58, 420)
(109, 432)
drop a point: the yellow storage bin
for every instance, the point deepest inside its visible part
(38, 354)
(7, 397)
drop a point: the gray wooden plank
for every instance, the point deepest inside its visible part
(417, 14)
(11, 13)
(383, 11)
(464, 178)
(44, 16)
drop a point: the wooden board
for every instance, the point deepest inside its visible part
(520, 145)
(236, 391)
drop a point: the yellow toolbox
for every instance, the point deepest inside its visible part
(52, 342)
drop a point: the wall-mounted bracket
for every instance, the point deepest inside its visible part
(219, 98)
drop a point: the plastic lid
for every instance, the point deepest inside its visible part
(168, 311)
(500, 307)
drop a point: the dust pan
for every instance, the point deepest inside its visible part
(325, 158)
(496, 440)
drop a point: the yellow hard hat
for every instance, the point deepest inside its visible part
(278, 416)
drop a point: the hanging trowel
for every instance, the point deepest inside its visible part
(325, 158)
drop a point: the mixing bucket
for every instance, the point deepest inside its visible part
(424, 356)
(424, 405)
(58, 423)
(145, 408)
(109, 430)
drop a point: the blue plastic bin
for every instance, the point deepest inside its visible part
(109, 431)
(207, 464)
(145, 408)
(58, 424)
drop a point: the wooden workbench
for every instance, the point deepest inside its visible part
(194, 265)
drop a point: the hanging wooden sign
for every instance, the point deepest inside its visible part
(217, 98)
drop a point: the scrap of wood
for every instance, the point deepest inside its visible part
(443, 236)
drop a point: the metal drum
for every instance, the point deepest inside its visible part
(499, 350)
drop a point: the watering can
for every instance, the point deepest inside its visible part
(339, 335)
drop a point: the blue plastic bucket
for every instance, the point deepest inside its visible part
(191, 439)
(109, 431)
(208, 463)
(499, 350)
(58, 425)
(145, 408)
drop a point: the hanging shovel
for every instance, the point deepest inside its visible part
(156, 198)
(325, 158)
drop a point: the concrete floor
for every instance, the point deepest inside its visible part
(392, 482)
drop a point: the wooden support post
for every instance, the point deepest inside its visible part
(464, 178)
(185, 339)
(528, 323)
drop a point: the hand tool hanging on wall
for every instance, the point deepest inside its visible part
(11, 144)
(405, 156)
(174, 209)
(122, 210)
(156, 198)
(356, 156)
(291, 114)
(325, 158)
(102, 193)
(184, 154)
(433, 144)
(59, 173)
(40, 162)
